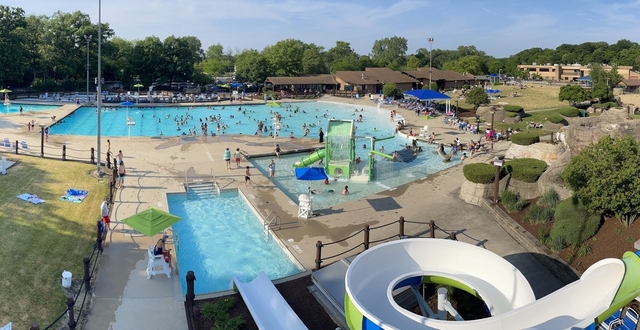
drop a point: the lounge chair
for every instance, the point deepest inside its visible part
(23, 144)
(630, 320)
(611, 322)
(156, 264)
(7, 143)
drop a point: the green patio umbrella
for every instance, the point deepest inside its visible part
(151, 221)
(5, 90)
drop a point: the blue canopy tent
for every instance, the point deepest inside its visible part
(429, 95)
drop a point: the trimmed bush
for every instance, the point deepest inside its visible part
(555, 118)
(526, 169)
(479, 173)
(512, 202)
(557, 243)
(574, 223)
(570, 112)
(525, 138)
(512, 108)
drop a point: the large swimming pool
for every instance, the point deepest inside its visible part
(221, 237)
(26, 108)
(233, 119)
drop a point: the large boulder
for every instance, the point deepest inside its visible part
(544, 151)
(485, 113)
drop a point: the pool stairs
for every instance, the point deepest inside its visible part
(197, 190)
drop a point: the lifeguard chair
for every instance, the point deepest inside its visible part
(305, 206)
(424, 131)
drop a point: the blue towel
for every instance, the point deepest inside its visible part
(76, 192)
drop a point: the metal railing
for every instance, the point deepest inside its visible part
(272, 219)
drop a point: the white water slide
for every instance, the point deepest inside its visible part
(373, 275)
(266, 304)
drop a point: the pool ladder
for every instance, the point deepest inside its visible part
(273, 219)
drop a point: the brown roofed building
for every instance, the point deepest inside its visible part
(443, 78)
(371, 80)
(312, 83)
(630, 85)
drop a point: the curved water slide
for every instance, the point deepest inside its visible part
(311, 159)
(445, 156)
(375, 273)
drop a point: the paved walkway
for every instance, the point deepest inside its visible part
(124, 297)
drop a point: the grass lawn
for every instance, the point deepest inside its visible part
(41, 241)
(538, 117)
(533, 97)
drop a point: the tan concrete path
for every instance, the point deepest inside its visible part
(125, 299)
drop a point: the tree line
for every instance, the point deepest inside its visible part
(50, 52)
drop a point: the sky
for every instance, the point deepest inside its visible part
(499, 28)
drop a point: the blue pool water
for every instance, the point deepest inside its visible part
(389, 174)
(152, 121)
(220, 238)
(15, 108)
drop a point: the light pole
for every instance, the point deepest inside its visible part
(498, 163)
(87, 38)
(430, 40)
(99, 81)
(492, 132)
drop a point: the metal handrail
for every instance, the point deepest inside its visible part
(271, 218)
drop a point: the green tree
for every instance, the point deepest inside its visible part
(146, 60)
(389, 89)
(342, 58)
(605, 177)
(285, 57)
(574, 94)
(313, 60)
(216, 62)
(179, 56)
(389, 51)
(477, 96)
(13, 54)
(413, 63)
(471, 64)
(252, 66)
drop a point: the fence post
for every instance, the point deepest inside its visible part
(111, 185)
(64, 152)
(93, 155)
(115, 163)
(432, 229)
(191, 278)
(87, 275)
(35, 326)
(318, 254)
(41, 140)
(108, 160)
(17, 147)
(452, 236)
(401, 229)
(366, 237)
(99, 238)
(72, 318)
(552, 142)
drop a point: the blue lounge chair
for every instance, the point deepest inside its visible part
(630, 320)
(611, 322)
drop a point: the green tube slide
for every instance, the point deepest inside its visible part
(373, 152)
(313, 158)
(629, 287)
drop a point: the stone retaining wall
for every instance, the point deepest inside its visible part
(563, 271)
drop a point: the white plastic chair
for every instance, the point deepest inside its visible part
(156, 264)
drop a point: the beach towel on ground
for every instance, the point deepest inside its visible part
(74, 195)
(31, 198)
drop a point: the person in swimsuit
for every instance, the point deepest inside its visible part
(227, 158)
(277, 151)
(238, 157)
(247, 178)
(272, 169)
(346, 190)
(122, 171)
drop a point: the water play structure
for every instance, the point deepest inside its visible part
(375, 275)
(339, 155)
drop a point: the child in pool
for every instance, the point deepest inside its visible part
(346, 190)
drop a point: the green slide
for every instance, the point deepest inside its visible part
(311, 159)
(373, 152)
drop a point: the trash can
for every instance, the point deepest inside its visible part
(66, 279)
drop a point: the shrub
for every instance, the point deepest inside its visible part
(557, 243)
(550, 198)
(512, 202)
(526, 169)
(498, 84)
(219, 313)
(479, 173)
(525, 138)
(574, 223)
(555, 118)
(584, 250)
(539, 214)
(570, 112)
(512, 108)
(543, 234)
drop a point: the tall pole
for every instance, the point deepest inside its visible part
(492, 131)
(430, 40)
(99, 80)
(87, 38)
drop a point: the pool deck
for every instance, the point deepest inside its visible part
(123, 296)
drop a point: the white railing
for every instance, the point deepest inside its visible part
(273, 219)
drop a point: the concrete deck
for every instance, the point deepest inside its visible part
(123, 297)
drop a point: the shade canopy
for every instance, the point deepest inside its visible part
(151, 221)
(235, 85)
(138, 85)
(493, 91)
(5, 90)
(426, 94)
(311, 173)
(127, 104)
